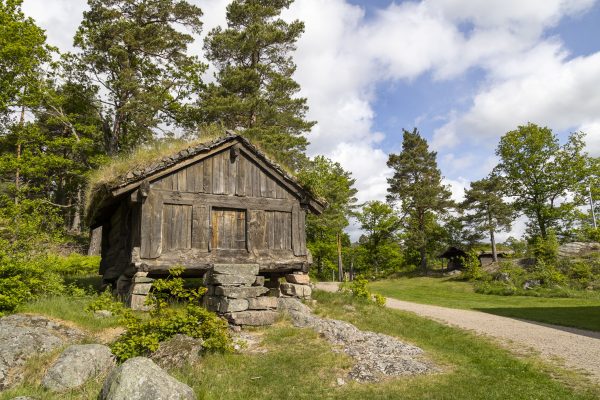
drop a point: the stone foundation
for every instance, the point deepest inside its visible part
(237, 292)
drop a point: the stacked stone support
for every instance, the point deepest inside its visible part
(296, 285)
(237, 292)
(138, 291)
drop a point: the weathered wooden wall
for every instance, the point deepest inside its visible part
(228, 207)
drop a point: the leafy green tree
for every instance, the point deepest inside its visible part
(486, 209)
(23, 51)
(381, 242)
(330, 181)
(417, 185)
(136, 52)
(254, 88)
(540, 174)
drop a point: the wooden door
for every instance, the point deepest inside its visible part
(228, 229)
(177, 227)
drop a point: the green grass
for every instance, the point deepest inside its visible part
(301, 365)
(582, 312)
(69, 309)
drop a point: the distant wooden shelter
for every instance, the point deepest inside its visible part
(454, 255)
(214, 203)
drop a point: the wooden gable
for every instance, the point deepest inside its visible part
(224, 174)
(227, 201)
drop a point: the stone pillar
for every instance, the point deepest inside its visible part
(296, 285)
(138, 292)
(238, 293)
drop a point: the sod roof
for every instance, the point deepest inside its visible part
(125, 174)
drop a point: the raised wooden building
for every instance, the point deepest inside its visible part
(222, 202)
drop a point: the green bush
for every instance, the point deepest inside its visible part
(581, 273)
(379, 300)
(74, 264)
(472, 266)
(548, 274)
(359, 288)
(545, 250)
(174, 310)
(23, 278)
(496, 287)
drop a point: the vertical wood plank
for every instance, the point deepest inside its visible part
(240, 189)
(199, 185)
(233, 173)
(200, 227)
(207, 175)
(296, 242)
(156, 226)
(270, 187)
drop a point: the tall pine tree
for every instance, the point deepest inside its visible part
(486, 209)
(417, 185)
(254, 88)
(136, 52)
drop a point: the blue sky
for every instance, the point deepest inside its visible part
(463, 71)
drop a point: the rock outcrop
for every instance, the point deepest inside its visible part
(76, 365)
(139, 378)
(177, 351)
(578, 249)
(377, 355)
(23, 336)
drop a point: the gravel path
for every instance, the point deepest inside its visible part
(580, 349)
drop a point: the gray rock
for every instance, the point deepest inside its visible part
(139, 378)
(292, 289)
(503, 277)
(236, 269)
(301, 279)
(178, 351)
(23, 398)
(289, 304)
(232, 305)
(262, 303)
(260, 281)
(231, 279)
(23, 336)
(578, 249)
(531, 283)
(76, 365)
(377, 355)
(237, 292)
(253, 318)
(103, 314)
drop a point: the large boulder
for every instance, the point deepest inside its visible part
(578, 249)
(24, 336)
(139, 378)
(178, 351)
(76, 365)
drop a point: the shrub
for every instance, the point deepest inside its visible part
(581, 273)
(545, 250)
(74, 264)
(143, 335)
(548, 274)
(359, 288)
(473, 270)
(379, 299)
(23, 278)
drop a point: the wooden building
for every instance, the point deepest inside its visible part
(222, 202)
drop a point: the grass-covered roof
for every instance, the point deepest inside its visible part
(150, 159)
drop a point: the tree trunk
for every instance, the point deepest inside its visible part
(18, 171)
(340, 266)
(493, 240)
(95, 242)
(76, 223)
(423, 259)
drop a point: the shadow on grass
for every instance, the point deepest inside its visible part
(581, 317)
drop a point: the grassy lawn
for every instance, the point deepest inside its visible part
(300, 365)
(581, 312)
